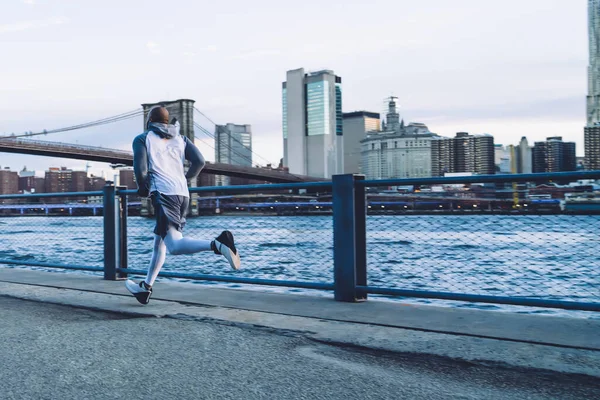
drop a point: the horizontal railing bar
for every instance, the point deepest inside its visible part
(248, 188)
(45, 195)
(230, 279)
(516, 301)
(273, 186)
(481, 179)
(58, 205)
(51, 265)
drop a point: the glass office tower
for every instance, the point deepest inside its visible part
(312, 123)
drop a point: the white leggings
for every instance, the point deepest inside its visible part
(176, 244)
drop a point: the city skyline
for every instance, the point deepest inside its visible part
(454, 82)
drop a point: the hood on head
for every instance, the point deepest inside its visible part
(165, 131)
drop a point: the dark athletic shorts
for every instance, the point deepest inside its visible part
(170, 210)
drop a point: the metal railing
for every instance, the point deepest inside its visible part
(473, 255)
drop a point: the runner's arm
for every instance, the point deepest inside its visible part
(140, 164)
(193, 155)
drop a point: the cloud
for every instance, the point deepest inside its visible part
(562, 108)
(153, 47)
(254, 54)
(33, 24)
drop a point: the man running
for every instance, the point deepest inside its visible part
(158, 157)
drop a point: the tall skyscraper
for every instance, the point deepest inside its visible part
(502, 159)
(312, 123)
(463, 153)
(592, 147)
(592, 130)
(524, 157)
(554, 155)
(233, 145)
(356, 126)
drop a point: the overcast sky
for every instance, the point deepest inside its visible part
(510, 68)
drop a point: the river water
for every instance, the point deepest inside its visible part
(551, 257)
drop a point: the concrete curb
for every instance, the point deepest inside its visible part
(577, 333)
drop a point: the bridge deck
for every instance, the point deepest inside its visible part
(115, 156)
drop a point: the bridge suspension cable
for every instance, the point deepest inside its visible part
(132, 114)
(103, 121)
(234, 138)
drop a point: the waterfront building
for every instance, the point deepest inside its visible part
(397, 151)
(233, 145)
(312, 123)
(502, 159)
(60, 180)
(79, 181)
(9, 181)
(355, 127)
(554, 155)
(524, 157)
(96, 183)
(592, 147)
(26, 181)
(463, 153)
(40, 184)
(127, 178)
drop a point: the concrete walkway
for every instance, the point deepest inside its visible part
(410, 338)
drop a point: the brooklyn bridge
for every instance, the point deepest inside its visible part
(182, 109)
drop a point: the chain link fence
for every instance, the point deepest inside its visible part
(279, 237)
(520, 240)
(53, 239)
(504, 240)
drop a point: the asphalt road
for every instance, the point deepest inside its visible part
(58, 352)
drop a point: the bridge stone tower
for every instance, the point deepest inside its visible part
(183, 110)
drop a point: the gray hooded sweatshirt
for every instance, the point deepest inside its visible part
(158, 160)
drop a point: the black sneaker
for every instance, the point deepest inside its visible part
(141, 292)
(224, 245)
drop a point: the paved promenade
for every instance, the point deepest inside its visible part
(73, 336)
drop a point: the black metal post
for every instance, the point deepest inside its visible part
(360, 237)
(111, 233)
(115, 232)
(123, 211)
(344, 230)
